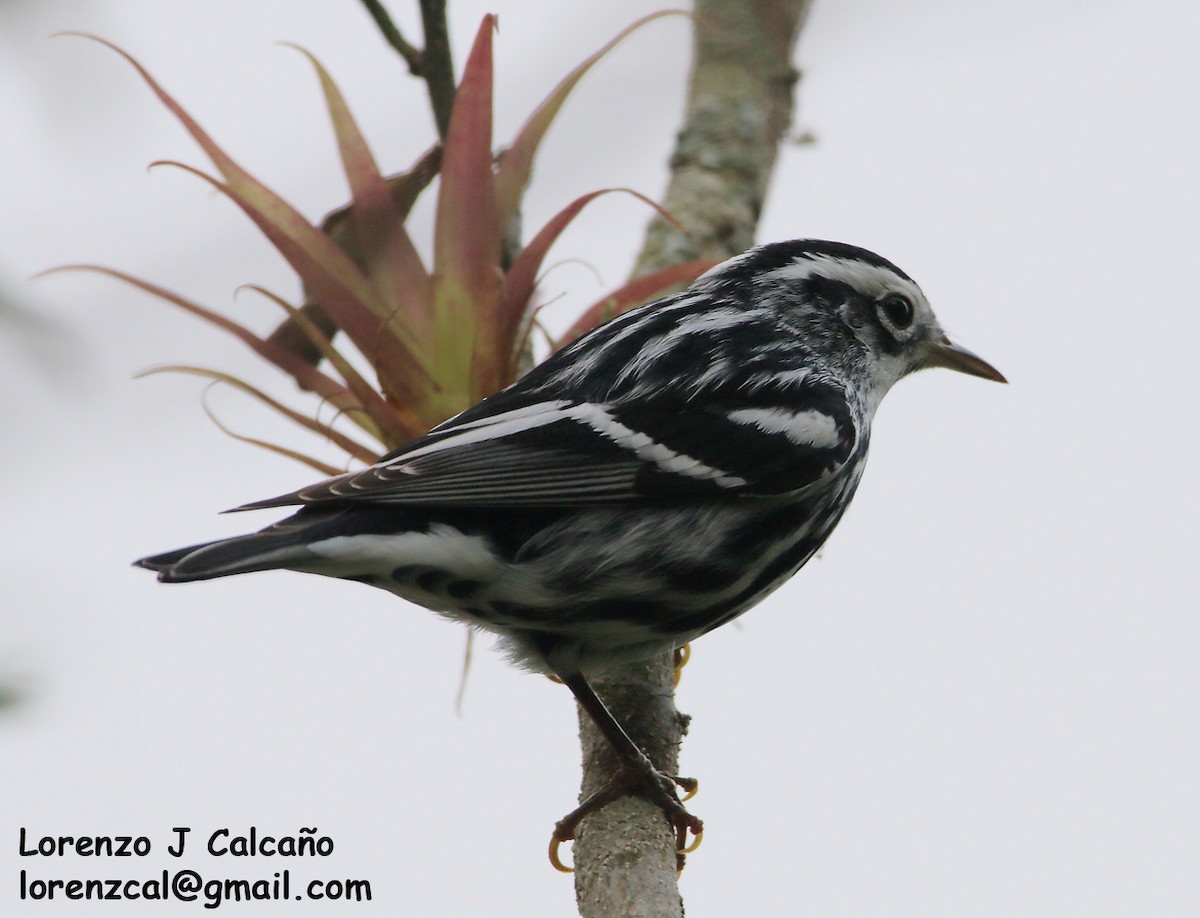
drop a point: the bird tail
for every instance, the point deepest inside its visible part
(261, 551)
(285, 544)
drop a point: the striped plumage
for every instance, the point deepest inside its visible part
(647, 483)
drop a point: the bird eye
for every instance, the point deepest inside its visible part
(898, 309)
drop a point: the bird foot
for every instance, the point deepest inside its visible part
(680, 658)
(647, 782)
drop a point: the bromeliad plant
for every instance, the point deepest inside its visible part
(437, 338)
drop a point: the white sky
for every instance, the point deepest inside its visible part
(980, 701)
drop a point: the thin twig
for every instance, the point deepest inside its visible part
(434, 64)
(438, 63)
(414, 57)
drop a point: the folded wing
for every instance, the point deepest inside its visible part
(567, 453)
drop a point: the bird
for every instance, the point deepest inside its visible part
(647, 483)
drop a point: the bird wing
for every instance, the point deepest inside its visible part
(568, 453)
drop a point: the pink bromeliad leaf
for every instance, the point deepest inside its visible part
(467, 238)
(438, 338)
(327, 272)
(344, 443)
(640, 290)
(304, 373)
(516, 163)
(393, 363)
(395, 423)
(516, 294)
(389, 257)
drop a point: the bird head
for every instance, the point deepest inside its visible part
(860, 314)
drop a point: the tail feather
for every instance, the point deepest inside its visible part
(168, 559)
(222, 558)
(240, 555)
(278, 546)
(284, 544)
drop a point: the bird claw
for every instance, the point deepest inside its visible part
(682, 654)
(555, 861)
(655, 786)
(681, 845)
(689, 786)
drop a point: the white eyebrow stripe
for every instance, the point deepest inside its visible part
(871, 280)
(804, 428)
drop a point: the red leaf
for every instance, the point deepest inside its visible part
(403, 376)
(637, 291)
(517, 290)
(396, 424)
(339, 439)
(304, 373)
(325, 269)
(467, 235)
(322, 468)
(390, 259)
(516, 163)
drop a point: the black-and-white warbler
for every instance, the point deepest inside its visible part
(647, 483)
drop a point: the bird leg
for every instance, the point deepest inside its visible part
(636, 775)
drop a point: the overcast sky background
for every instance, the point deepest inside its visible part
(982, 698)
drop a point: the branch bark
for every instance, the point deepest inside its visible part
(739, 106)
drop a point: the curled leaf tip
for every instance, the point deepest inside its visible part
(199, 173)
(72, 33)
(298, 47)
(662, 211)
(153, 371)
(57, 269)
(75, 33)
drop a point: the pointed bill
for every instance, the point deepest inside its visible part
(945, 353)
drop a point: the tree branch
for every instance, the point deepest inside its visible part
(439, 65)
(434, 64)
(739, 107)
(412, 55)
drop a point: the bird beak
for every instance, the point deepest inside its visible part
(945, 353)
